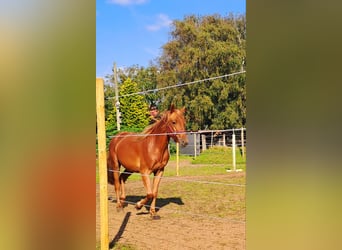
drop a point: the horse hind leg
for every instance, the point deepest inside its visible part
(116, 171)
(123, 177)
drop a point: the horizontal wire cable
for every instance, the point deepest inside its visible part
(174, 133)
(143, 135)
(181, 84)
(181, 179)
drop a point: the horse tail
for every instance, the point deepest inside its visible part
(110, 169)
(112, 159)
(110, 164)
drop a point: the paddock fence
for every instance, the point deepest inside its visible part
(199, 142)
(202, 140)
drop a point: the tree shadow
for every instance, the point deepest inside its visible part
(121, 230)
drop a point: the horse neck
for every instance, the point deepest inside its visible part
(160, 131)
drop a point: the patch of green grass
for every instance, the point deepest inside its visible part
(173, 157)
(206, 198)
(219, 155)
(193, 170)
(213, 161)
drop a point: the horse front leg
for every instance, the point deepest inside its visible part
(149, 195)
(156, 181)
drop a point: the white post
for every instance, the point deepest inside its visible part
(233, 149)
(177, 158)
(242, 144)
(195, 142)
(204, 142)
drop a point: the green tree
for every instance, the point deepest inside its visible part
(110, 110)
(133, 108)
(202, 47)
(145, 78)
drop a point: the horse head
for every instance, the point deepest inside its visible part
(176, 125)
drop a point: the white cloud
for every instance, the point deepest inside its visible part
(161, 22)
(127, 2)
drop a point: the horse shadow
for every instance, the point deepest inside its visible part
(161, 202)
(120, 231)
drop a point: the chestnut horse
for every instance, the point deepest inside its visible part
(145, 153)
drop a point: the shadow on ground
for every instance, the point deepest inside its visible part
(121, 230)
(161, 202)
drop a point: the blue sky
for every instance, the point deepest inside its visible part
(131, 32)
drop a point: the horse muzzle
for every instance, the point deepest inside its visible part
(183, 141)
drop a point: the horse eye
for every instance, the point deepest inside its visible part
(173, 122)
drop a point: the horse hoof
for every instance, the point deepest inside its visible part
(138, 207)
(155, 217)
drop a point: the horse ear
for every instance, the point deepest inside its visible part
(183, 110)
(172, 108)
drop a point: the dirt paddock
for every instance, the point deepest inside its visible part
(183, 224)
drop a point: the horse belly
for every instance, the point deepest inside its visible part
(128, 156)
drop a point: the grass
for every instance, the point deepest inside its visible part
(216, 160)
(206, 199)
(219, 155)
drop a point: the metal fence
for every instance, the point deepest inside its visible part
(204, 139)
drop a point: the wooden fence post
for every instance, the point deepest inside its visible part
(101, 135)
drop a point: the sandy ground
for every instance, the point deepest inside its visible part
(173, 230)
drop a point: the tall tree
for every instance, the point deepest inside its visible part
(146, 80)
(203, 47)
(133, 108)
(110, 110)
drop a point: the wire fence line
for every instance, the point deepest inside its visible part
(181, 84)
(179, 179)
(191, 132)
(143, 135)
